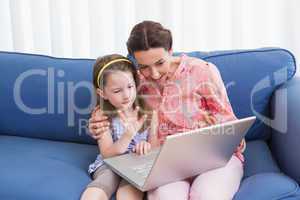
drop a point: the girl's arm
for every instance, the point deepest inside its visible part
(144, 146)
(131, 124)
(153, 125)
(152, 137)
(108, 148)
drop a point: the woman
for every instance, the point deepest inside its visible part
(187, 93)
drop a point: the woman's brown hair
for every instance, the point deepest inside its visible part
(149, 34)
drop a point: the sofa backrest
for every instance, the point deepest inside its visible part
(45, 97)
(251, 77)
(51, 98)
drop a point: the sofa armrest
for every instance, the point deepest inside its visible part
(285, 140)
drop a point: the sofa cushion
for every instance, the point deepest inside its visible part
(38, 169)
(258, 159)
(268, 186)
(43, 169)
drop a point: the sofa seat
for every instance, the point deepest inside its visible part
(39, 169)
(258, 159)
(262, 177)
(43, 169)
(268, 186)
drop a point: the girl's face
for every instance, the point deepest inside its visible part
(154, 63)
(119, 90)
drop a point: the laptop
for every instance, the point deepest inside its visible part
(182, 155)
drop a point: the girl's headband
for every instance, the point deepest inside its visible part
(107, 64)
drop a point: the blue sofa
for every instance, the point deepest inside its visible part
(45, 149)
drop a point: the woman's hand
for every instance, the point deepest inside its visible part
(242, 146)
(142, 148)
(98, 123)
(209, 119)
(131, 122)
(240, 149)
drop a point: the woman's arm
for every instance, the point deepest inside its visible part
(221, 96)
(98, 123)
(214, 92)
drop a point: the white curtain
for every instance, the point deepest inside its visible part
(89, 28)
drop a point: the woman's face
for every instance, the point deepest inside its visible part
(154, 63)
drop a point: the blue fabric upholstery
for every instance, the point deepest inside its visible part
(267, 186)
(41, 77)
(42, 169)
(258, 159)
(45, 154)
(49, 165)
(286, 135)
(64, 95)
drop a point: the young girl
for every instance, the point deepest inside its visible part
(114, 79)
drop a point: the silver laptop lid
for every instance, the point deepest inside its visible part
(191, 153)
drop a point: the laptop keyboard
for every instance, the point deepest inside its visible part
(145, 163)
(143, 169)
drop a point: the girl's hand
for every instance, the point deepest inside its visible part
(98, 123)
(131, 122)
(142, 148)
(154, 123)
(153, 132)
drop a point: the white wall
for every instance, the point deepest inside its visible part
(89, 28)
